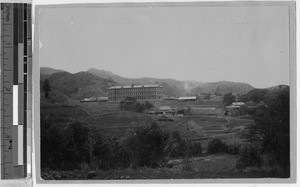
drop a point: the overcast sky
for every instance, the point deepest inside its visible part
(206, 44)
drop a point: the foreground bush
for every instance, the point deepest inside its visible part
(63, 146)
(249, 156)
(216, 146)
(112, 154)
(146, 145)
(271, 129)
(178, 147)
(233, 149)
(78, 145)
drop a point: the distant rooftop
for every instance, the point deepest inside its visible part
(164, 108)
(136, 86)
(186, 98)
(238, 103)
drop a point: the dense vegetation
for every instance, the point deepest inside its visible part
(269, 137)
(75, 145)
(131, 104)
(271, 131)
(255, 95)
(228, 99)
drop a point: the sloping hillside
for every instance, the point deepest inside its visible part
(46, 72)
(80, 85)
(94, 82)
(222, 87)
(177, 88)
(49, 71)
(171, 87)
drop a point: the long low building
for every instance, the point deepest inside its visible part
(140, 92)
(186, 99)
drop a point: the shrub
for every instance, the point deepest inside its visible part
(178, 147)
(188, 165)
(233, 149)
(249, 156)
(216, 146)
(228, 99)
(64, 146)
(131, 104)
(112, 154)
(146, 145)
(194, 148)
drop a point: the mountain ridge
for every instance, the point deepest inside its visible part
(94, 82)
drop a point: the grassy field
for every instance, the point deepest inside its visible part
(206, 122)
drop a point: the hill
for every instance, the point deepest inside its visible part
(46, 72)
(257, 95)
(79, 85)
(222, 88)
(171, 87)
(177, 88)
(278, 87)
(49, 71)
(94, 82)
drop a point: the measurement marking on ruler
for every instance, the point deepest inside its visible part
(12, 23)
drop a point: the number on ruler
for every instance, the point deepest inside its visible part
(10, 144)
(6, 89)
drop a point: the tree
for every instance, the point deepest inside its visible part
(146, 145)
(131, 104)
(92, 142)
(46, 88)
(255, 95)
(207, 96)
(271, 130)
(228, 99)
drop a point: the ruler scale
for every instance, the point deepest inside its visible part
(15, 90)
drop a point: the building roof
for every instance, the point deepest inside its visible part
(136, 86)
(187, 98)
(102, 98)
(164, 108)
(233, 106)
(238, 103)
(169, 98)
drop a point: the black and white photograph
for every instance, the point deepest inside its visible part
(144, 91)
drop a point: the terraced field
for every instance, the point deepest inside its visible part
(202, 125)
(200, 104)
